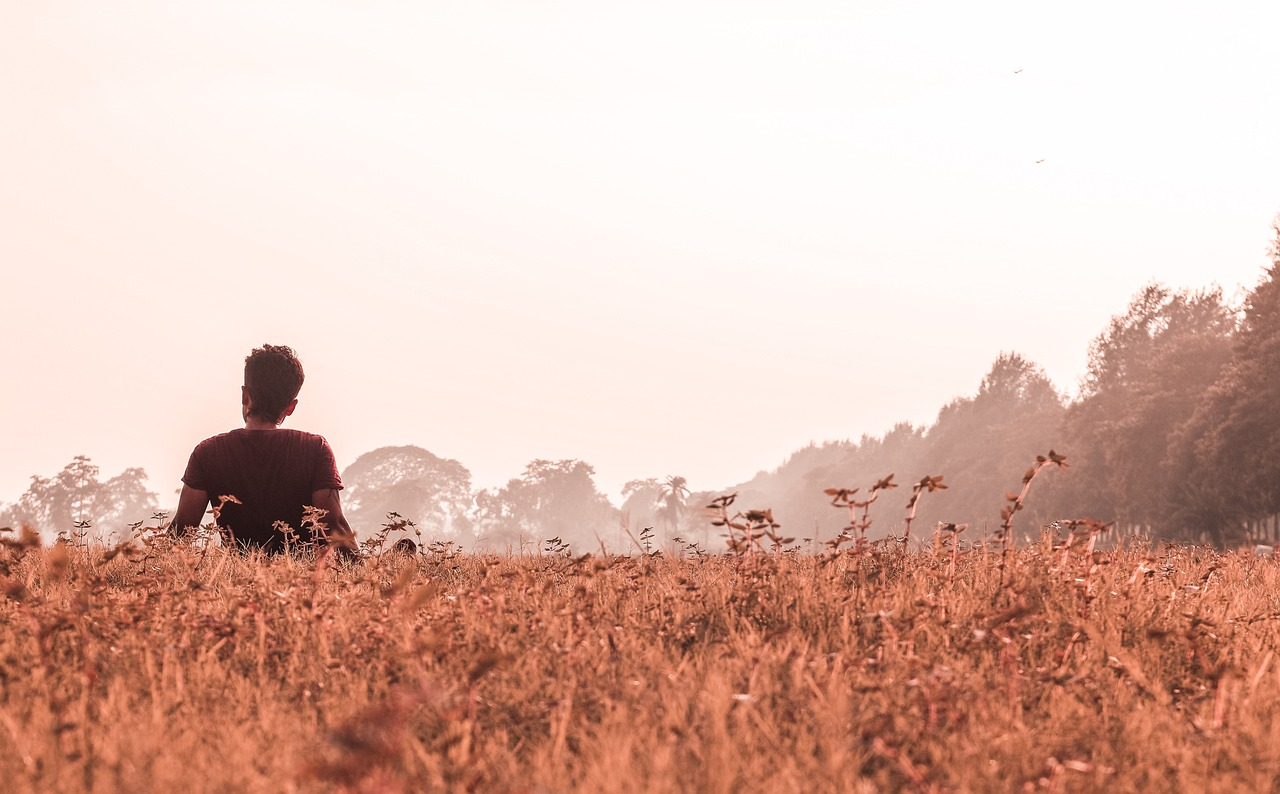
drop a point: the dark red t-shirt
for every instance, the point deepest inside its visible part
(272, 472)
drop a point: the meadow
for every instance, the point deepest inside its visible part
(171, 666)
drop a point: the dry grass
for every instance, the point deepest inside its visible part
(865, 671)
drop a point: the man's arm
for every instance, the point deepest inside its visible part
(340, 534)
(190, 513)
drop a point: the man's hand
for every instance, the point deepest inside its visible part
(190, 513)
(341, 537)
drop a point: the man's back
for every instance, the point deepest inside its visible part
(273, 474)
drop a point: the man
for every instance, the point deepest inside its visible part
(273, 474)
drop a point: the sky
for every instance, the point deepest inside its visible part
(661, 237)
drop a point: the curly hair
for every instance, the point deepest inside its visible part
(273, 376)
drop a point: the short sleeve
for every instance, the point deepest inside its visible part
(196, 476)
(325, 476)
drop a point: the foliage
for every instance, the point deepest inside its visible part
(1229, 452)
(746, 530)
(1173, 434)
(1147, 373)
(640, 503)
(652, 502)
(791, 489)
(76, 504)
(432, 492)
(552, 499)
(673, 494)
(978, 440)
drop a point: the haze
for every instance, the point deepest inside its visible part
(663, 238)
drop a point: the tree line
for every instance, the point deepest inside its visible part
(1174, 432)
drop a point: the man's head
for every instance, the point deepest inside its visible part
(272, 379)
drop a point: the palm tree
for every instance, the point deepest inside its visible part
(671, 497)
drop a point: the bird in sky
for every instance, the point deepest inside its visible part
(1041, 160)
(1017, 71)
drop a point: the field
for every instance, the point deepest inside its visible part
(176, 668)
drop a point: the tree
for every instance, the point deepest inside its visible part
(902, 451)
(794, 490)
(433, 492)
(641, 501)
(1230, 449)
(982, 444)
(673, 495)
(74, 503)
(551, 499)
(1147, 373)
(124, 500)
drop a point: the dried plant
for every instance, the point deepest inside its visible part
(556, 547)
(927, 484)
(859, 523)
(1015, 502)
(746, 531)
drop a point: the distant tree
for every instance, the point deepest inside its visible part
(551, 499)
(641, 501)
(76, 504)
(124, 500)
(794, 490)
(673, 494)
(496, 522)
(983, 444)
(1201, 506)
(433, 492)
(1147, 373)
(1229, 451)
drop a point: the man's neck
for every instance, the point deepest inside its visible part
(254, 423)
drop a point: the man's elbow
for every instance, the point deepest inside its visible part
(181, 526)
(186, 519)
(191, 506)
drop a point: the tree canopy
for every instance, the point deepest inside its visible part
(1229, 452)
(432, 492)
(75, 503)
(552, 499)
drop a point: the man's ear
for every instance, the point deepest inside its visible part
(244, 395)
(289, 411)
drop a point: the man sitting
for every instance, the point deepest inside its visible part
(273, 474)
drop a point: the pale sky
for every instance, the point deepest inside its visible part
(663, 238)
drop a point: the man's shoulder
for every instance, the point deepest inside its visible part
(283, 432)
(239, 439)
(215, 441)
(300, 443)
(304, 437)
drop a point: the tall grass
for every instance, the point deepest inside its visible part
(195, 669)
